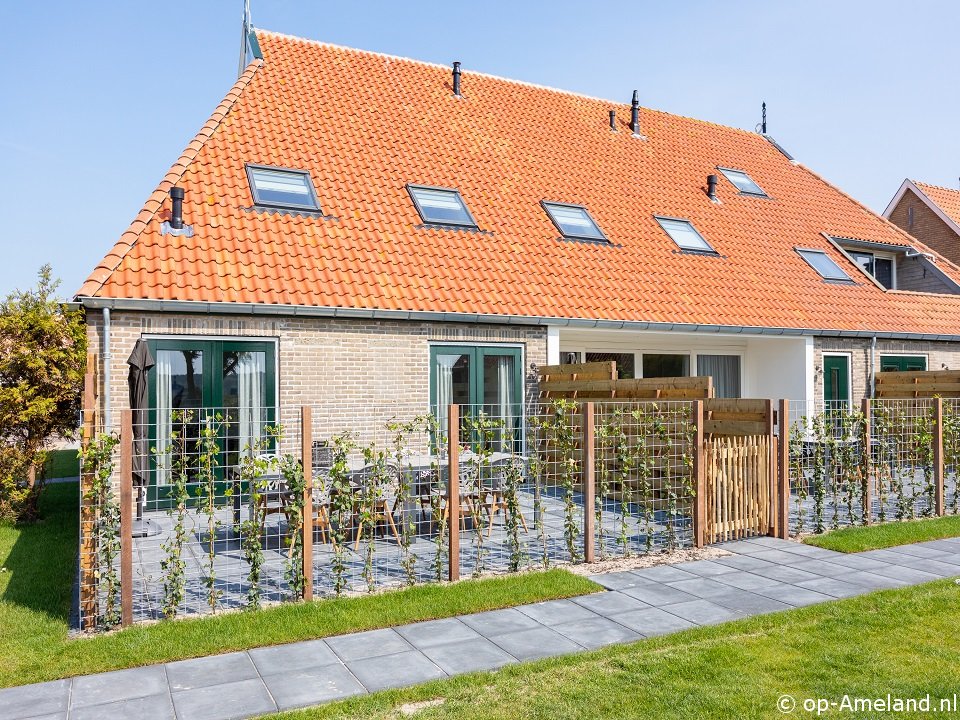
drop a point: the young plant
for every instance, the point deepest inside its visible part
(97, 463)
(173, 564)
(291, 470)
(561, 443)
(483, 431)
(208, 476)
(512, 479)
(341, 506)
(372, 504)
(798, 471)
(408, 527)
(252, 472)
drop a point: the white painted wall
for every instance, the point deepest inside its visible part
(780, 368)
(553, 345)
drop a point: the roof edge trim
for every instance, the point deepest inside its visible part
(909, 184)
(254, 309)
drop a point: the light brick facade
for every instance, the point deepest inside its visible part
(926, 226)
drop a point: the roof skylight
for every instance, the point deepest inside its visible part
(282, 188)
(743, 182)
(441, 206)
(823, 264)
(573, 221)
(684, 234)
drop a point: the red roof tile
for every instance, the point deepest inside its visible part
(947, 199)
(365, 124)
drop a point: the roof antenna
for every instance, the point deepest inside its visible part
(762, 127)
(245, 36)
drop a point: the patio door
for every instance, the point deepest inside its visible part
(232, 381)
(479, 379)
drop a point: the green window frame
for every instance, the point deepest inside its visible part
(902, 363)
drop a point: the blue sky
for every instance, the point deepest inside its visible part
(100, 98)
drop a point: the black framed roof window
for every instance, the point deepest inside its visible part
(441, 206)
(824, 265)
(684, 234)
(282, 188)
(573, 221)
(743, 182)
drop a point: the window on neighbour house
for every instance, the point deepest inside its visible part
(823, 264)
(902, 363)
(684, 234)
(725, 371)
(573, 221)
(743, 182)
(625, 366)
(441, 206)
(879, 266)
(282, 188)
(665, 365)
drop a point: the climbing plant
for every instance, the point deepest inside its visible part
(97, 463)
(208, 464)
(178, 456)
(341, 506)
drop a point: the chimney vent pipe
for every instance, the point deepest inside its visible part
(635, 114)
(712, 187)
(456, 79)
(176, 209)
(613, 120)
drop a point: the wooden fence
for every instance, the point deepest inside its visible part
(598, 381)
(917, 384)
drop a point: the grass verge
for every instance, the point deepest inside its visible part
(877, 537)
(902, 642)
(35, 586)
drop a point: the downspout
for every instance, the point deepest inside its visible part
(106, 371)
(873, 356)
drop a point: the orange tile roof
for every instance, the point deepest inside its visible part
(365, 124)
(947, 199)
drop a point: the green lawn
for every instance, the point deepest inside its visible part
(62, 464)
(35, 587)
(902, 642)
(876, 537)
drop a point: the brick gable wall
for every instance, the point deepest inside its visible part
(927, 227)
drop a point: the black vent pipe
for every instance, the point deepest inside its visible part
(712, 187)
(613, 120)
(176, 210)
(635, 114)
(456, 79)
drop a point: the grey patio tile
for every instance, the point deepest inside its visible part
(536, 643)
(437, 632)
(498, 622)
(934, 567)
(887, 556)
(858, 562)
(292, 657)
(795, 596)
(822, 567)
(663, 574)
(771, 542)
(231, 701)
(747, 581)
(916, 551)
(52, 716)
(213, 670)
(948, 545)
(658, 594)
(619, 580)
(741, 547)
(468, 656)
(743, 562)
(872, 581)
(811, 551)
(392, 671)
(701, 587)
(905, 573)
(311, 687)
(598, 632)
(702, 612)
(786, 574)
(152, 707)
(652, 621)
(752, 602)
(610, 602)
(47, 698)
(707, 568)
(833, 586)
(119, 685)
(373, 643)
(780, 557)
(555, 612)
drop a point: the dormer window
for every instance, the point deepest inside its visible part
(743, 182)
(573, 221)
(441, 206)
(282, 188)
(824, 265)
(685, 235)
(881, 267)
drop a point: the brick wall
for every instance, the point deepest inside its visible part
(914, 273)
(927, 227)
(353, 372)
(938, 354)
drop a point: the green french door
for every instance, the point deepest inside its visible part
(234, 380)
(836, 381)
(479, 378)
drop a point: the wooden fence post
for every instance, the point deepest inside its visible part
(453, 489)
(699, 478)
(589, 484)
(867, 462)
(938, 473)
(782, 493)
(126, 518)
(306, 454)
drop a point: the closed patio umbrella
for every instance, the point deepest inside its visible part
(140, 362)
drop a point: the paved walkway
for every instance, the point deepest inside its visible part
(763, 575)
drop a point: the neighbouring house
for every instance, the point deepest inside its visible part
(352, 230)
(930, 213)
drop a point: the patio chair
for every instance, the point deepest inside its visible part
(494, 486)
(385, 505)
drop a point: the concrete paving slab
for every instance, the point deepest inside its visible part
(213, 670)
(118, 685)
(535, 644)
(301, 688)
(369, 644)
(469, 656)
(392, 671)
(49, 698)
(437, 632)
(292, 657)
(598, 632)
(231, 701)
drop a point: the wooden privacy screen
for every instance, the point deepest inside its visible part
(917, 384)
(598, 381)
(739, 453)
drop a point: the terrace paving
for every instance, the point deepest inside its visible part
(762, 575)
